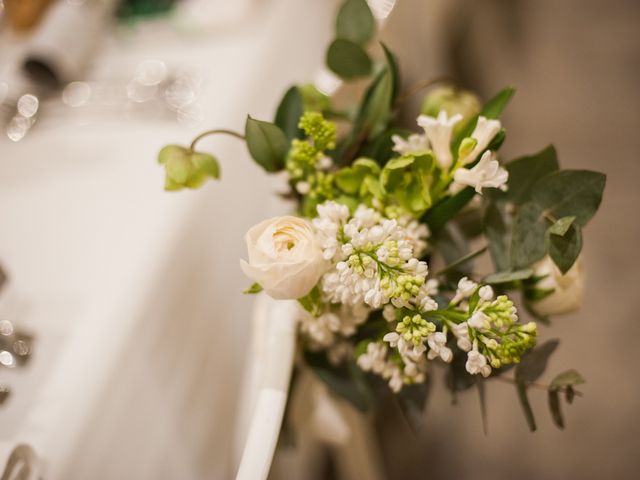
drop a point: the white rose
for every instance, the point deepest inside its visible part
(284, 257)
(568, 288)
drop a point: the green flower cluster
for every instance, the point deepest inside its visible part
(304, 156)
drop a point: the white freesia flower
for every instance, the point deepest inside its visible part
(487, 173)
(284, 257)
(439, 132)
(415, 143)
(486, 129)
(568, 288)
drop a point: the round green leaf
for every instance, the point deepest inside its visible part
(355, 22)
(347, 59)
(267, 144)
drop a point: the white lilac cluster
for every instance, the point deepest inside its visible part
(378, 359)
(491, 336)
(334, 322)
(374, 258)
(438, 131)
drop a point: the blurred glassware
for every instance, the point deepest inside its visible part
(151, 92)
(24, 15)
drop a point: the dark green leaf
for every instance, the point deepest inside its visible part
(524, 172)
(444, 211)
(393, 68)
(375, 110)
(348, 60)
(506, 277)
(496, 105)
(339, 380)
(254, 288)
(492, 109)
(564, 250)
(496, 227)
(534, 362)
(355, 22)
(554, 408)
(289, 112)
(526, 406)
(565, 379)
(570, 193)
(267, 144)
(412, 400)
(528, 235)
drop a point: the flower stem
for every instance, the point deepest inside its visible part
(539, 386)
(418, 87)
(214, 132)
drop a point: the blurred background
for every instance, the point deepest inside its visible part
(125, 301)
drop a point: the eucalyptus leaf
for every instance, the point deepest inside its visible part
(534, 362)
(526, 406)
(554, 408)
(289, 112)
(565, 379)
(355, 22)
(570, 193)
(498, 232)
(564, 249)
(525, 171)
(561, 226)
(507, 277)
(267, 144)
(412, 400)
(528, 235)
(348, 60)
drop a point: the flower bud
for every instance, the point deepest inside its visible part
(453, 101)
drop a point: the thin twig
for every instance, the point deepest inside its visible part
(417, 87)
(463, 260)
(539, 386)
(214, 132)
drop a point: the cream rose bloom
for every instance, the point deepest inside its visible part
(568, 288)
(284, 257)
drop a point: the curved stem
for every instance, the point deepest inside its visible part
(417, 87)
(539, 386)
(214, 132)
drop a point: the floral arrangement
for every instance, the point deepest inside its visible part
(379, 207)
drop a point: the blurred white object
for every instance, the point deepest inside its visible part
(272, 348)
(19, 462)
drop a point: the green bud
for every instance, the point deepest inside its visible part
(185, 168)
(466, 147)
(453, 101)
